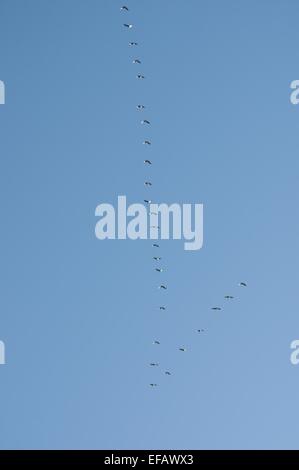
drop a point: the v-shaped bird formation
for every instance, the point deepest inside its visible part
(146, 123)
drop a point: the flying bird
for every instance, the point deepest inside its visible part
(157, 258)
(154, 385)
(229, 297)
(148, 183)
(145, 121)
(156, 342)
(147, 162)
(130, 26)
(140, 106)
(156, 245)
(162, 308)
(183, 349)
(136, 61)
(162, 287)
(147, 142)
(154, 364)
(200, 331)
(167, 373)
(243, 284)
(216, 308)
(147, 201)
(159, 270)
(140, 77)
(133, 43)
(124, 8)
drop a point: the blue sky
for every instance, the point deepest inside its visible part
(78, 315)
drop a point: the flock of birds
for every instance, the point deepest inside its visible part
(148, 184)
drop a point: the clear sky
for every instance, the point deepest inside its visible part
(78, 315)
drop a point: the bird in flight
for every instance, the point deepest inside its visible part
(133, 43)
(154, 364)
(140, 77)
(140, 106)
(124, 8)
(147, 201)
(148, 183)
(242, 284)
(200, 331)
(157, 258)
(154, 385)
(147, 162)
(229, 297)
(145, 121)
(129, 26)
(156, 245)
(156, 342)
(183, 349)
(159, 270)
(162, 287)
(167, 372)
(216, 308)
(147, 142)
(136, 61)
(162, 308)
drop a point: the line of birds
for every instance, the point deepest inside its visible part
(147, 162)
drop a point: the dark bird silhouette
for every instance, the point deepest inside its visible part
(183, 349)
(128, 25)
(157, 258)
(147, 142)
(154, 364)
(156, 342)
(243, 284)
(133, 43)
(148, 183)
(159, 270)
(162, 308)
(147, 162)
(124, 8)
(216, 308)
(229, 297)
(154, 385)
(140, 107)
(167, 373)
(136, 61)
(156, 245)
(140, 77)
(145, 121)
(162, 287)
